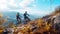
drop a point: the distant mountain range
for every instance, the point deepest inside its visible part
(12, 16)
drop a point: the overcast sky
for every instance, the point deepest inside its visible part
(31, 6)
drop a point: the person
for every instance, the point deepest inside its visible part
(5, 31)
(26, 17)
(18, 18)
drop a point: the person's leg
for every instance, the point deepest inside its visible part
(17, 20)
(25, 20)
(28, 19)
(20, 20)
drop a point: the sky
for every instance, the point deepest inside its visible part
(35, 7)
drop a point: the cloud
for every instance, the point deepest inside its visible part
(25, 3)
(12, 3)
(34, 11)
(9, 4)
(3, 4)
(21, 6)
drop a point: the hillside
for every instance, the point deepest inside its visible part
(49, 24)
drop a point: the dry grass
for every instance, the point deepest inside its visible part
(38, 26)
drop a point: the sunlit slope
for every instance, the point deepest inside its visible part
(41, 25)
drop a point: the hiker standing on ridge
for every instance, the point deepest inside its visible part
(26, 17)
(18, 18)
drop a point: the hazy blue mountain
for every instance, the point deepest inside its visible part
(12, 16)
